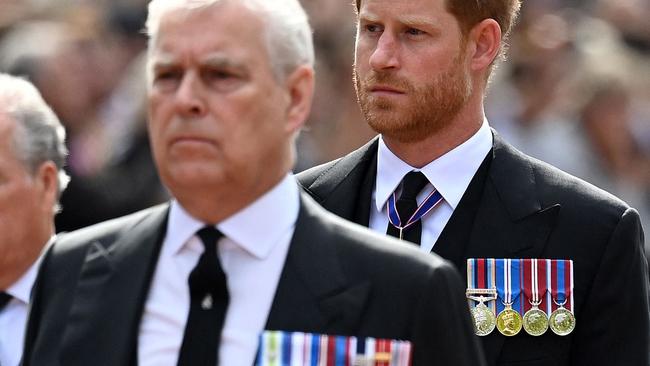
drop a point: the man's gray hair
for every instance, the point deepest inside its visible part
(288, 34)
(39, 136)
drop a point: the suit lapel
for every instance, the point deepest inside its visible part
(110, 295)
(313, 294)
(346, 188)
(511, 222)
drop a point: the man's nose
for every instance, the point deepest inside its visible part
(386, 53)
(190, 97)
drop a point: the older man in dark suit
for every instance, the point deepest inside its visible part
(239, 250)
(438, 176)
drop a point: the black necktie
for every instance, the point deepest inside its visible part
(4, 299)
(406, 205)
(208, 303)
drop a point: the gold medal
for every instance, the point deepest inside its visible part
(484, 319)
(535, 321)
(562, 321)
(509, 321)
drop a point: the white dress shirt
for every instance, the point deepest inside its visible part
(252, 255)
(450, 174)
(13, 319)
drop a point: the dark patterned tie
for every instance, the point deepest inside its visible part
(208, 304)
(406, 205)
(4, 299)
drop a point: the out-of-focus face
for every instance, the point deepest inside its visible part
(23, 207)
(411, 73)
(218, 117)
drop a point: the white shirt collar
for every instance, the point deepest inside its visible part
(256, 228)
(22, 288)
(450, 174)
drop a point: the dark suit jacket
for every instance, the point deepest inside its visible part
(339, 278)
(523, 208)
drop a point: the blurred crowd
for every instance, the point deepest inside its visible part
(575, 92)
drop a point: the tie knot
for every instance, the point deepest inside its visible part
(209, 236)
(412, 184)
(4, 299)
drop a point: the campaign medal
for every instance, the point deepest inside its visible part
(481, 288)
(429, 203)
(535, 320)
(509, 321)
(484, 319)
(562, 320)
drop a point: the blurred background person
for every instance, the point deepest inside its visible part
(564, 58)
(32, 154)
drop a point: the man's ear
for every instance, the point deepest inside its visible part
(300, 84)
(47, 180)
(485, 39)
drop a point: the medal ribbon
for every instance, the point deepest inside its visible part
(562, 283)
(481, 274)
(432, 200)
(491, 280)
(508, 281)
(534, 283)
(383, 352)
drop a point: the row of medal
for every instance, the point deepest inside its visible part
(515, 294)
(279, 348)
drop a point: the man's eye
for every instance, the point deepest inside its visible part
(414, 32)
(219, 75)
(166, 75)
(372, 28)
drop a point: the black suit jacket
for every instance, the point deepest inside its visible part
(519, 207)
(339, 278)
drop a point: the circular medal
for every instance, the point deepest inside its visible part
(509, 322)
(484, 319)
(562, 321)
(535, 322)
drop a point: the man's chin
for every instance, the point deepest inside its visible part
(191, 176)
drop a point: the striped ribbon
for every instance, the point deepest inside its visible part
(429, 203)
(508, 281)
(481, 274)
(561, 283)
(305, 349)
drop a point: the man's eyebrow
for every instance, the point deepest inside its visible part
(160, 61)
(417, 21)
(408, 20)
(221, 61)
(368, 17)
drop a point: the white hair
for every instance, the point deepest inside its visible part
(39, 136)
(288, 34)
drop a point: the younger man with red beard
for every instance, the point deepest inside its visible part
(438, 176)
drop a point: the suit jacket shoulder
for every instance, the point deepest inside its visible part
(320, 180)
(72, 289)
